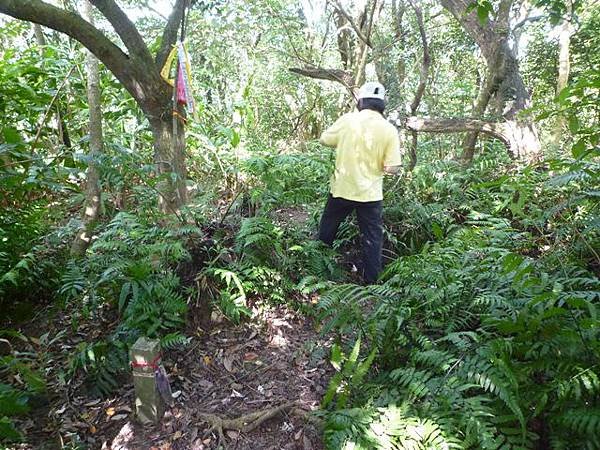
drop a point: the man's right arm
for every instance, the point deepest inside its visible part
(392, 162)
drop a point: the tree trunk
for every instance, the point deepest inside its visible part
(423, 76)
(93, 192)
(344, 39)
(483, 98)
(511, 95)
(169, 154)
(564, 68)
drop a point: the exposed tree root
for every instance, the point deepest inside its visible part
(245, 423)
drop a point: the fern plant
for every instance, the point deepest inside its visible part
(468, 333)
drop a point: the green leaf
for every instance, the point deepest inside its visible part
(336, 357)
(511, 262)
(579, 149)
(8, 431)
(353, 358)
(482, 14)
(437, 231)
(332, 388)
(11, 136)
(362, 369)
(123, 295)
(573, 124)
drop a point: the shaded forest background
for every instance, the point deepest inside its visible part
(117, 218)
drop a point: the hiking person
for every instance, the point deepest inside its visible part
(367, 146)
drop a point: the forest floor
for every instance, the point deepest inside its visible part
(276, 359)
(229, 371)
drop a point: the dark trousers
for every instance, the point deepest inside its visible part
(369, 222)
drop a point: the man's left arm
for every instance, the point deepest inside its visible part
(331, 135)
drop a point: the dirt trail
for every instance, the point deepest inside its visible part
(230, 371)
(234, 371)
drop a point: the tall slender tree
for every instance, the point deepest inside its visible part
(93, 192)
(564, 64)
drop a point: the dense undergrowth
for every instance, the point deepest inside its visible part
(483, 330)
(482, 334)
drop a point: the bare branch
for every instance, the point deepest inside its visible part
(424, 72)
(455, 125)
(341, 76)
(397, 14)
(142, 81)
(67, 22)
(169, 36)
(350, 20)
(125, 29)
(527, 20)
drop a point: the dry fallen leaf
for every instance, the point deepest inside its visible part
(250, 356)
(93, 429)
(236, 394)
(306, 443)
(119, 417)
(207, 360)
(206, 384)
(228, 363)
(177, 435)
(110, 411)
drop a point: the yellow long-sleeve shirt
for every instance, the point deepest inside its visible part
(365, 142)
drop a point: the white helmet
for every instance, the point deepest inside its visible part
(372, 89)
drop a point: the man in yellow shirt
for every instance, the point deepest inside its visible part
(367, 146)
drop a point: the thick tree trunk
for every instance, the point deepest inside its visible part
(169, 155)
(93, 193)
(511, 95)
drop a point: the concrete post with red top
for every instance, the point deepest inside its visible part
(145, 357)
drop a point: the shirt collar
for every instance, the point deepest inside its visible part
(370, 112)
